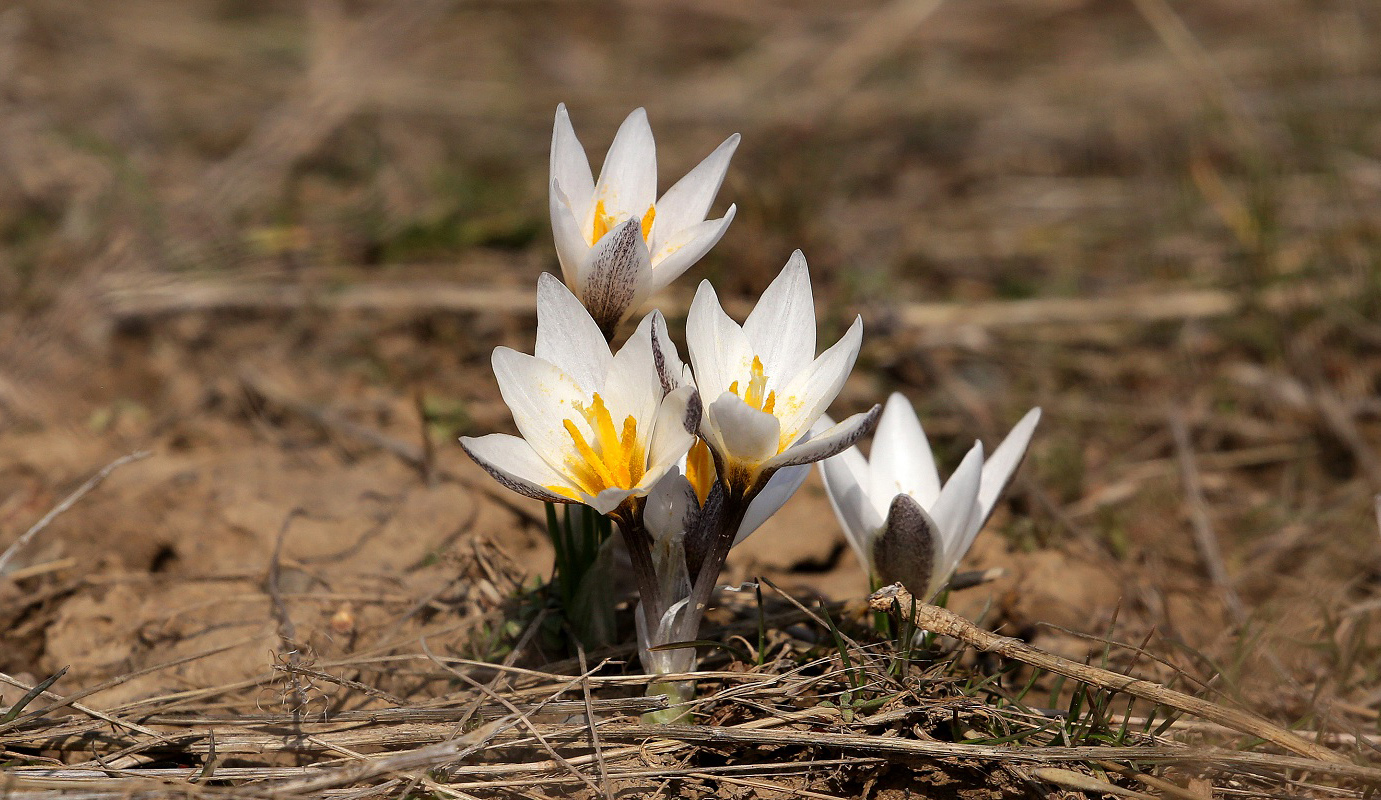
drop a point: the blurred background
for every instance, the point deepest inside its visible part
(275, 242)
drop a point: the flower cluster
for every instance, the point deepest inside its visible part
(687, 459)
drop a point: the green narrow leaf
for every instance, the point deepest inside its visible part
(28, 698)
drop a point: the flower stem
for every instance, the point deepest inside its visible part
(678, 694)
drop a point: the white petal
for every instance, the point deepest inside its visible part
(673, 433)
(908, 548)
(614, 271)
(781, 328)
(901, 460)
(955, 510)
(745, 434)
(670, 370)
(684, 248)
(628, 180)
(568, 337)
(541, 398)
(999, 468)
(631, 387)
(846, 486)
(830, 442)
(779, 489)
(516, 465)
(572, 248)
(569, 166)
(687, 202)
(719, 350)
(671, 507)
(608, 499)
(801, 402)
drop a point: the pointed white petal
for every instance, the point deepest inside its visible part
(1002, 465)
(689, 200)
(955, 510)
(670, 369)
(572, 248)
(615, 269)
(829, 442)
(719, 350)
(673, 433)
(779, 489)
(569, 166)
(747, 435)
(687, 246)
(631, 387)
(781, 328)
(516, 465)
(846, 486)
(541, 398)
(908, 548)
(801, 401)
(628, 180)
(901, 460)
(567, 335)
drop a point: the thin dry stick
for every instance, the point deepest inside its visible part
(422, 758)
(1204, 536)
(1206, 540)
(523, 718)
(116, 681)
(883, 746)
(68, 502)
(947, 623)
(1150, 781)
(772, 788)
(1214, 83)
(287, 632)
(590, 720)
(91, 712)
(873, 40)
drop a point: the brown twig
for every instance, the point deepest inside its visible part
(1204, 537)
(67, 502)
(523, 719)
(947, 623)
(590, 722)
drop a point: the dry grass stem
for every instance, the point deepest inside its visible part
(947, 623)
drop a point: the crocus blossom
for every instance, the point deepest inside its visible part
(616, 240)
(596, 427)
(763, 386)
(902, 523)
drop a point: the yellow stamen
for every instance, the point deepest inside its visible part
(648, 217)
(593, 471)
(700, 470)
(615, 459)
(605, 222)
(757, 382)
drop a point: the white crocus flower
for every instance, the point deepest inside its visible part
(902, 524)
(617, 242)
(597, 427)
(763, 386)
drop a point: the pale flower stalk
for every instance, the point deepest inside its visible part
(902, 523)
(618, 242)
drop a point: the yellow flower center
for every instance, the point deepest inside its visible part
(615, 460)
(757, 382)
(605, 222)
(700, 470)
